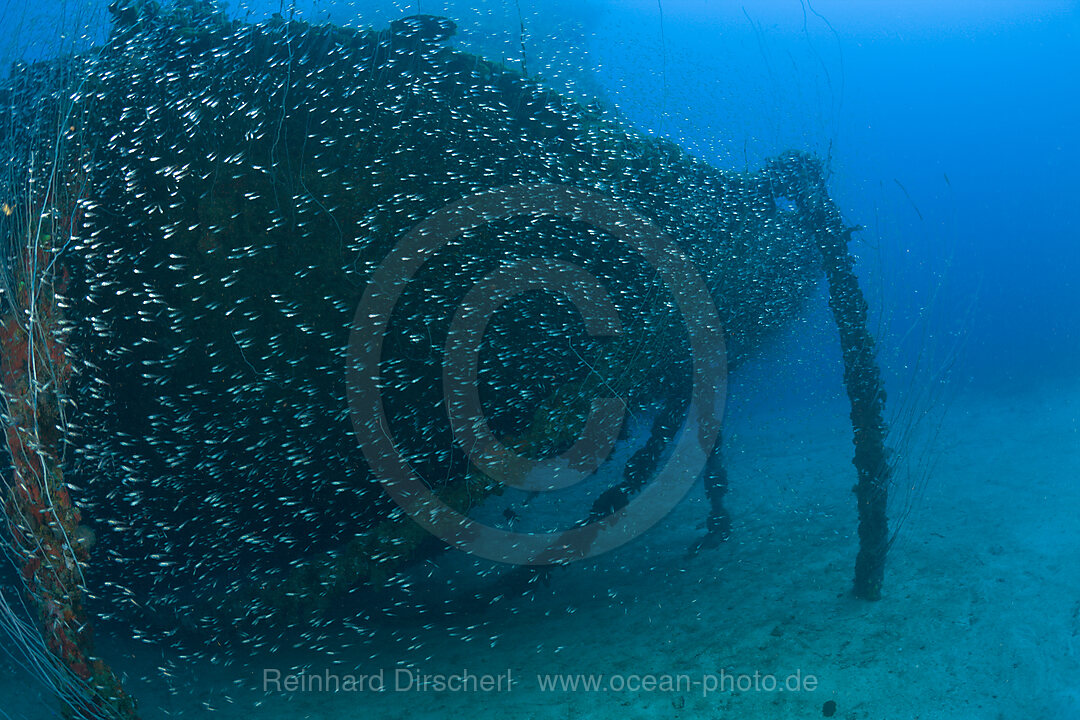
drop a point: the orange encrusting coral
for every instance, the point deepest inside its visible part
(44, 523)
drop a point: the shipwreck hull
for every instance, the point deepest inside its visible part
(233, 189)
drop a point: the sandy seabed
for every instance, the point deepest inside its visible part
(980, 619)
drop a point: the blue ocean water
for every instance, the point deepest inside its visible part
(950, 135)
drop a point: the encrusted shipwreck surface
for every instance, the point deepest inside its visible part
(227, 191)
